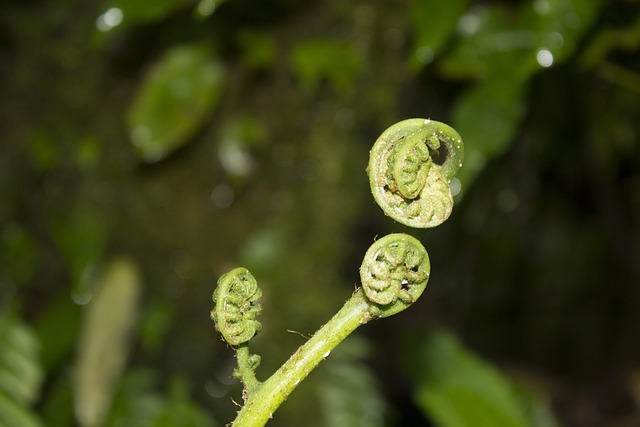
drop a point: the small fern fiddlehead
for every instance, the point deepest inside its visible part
(394, 273)
(236, 306)
(410, 168)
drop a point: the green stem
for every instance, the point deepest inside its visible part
(246, 370)
(269, 396)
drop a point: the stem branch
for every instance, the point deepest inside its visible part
(269, 396)
(245, 372)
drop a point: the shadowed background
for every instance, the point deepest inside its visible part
(150, 146)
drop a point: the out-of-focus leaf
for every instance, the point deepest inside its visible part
(316, 60)
(627, 39)
(559, 25)
(348, 392)
(434, 22)
(56, 330)
(18, 253)
(20, 373)
(497, 42)
(487, 117)
(176, 96)
(490, 42)
(457, 389)
(14, 415)
(104, 343)
(498, 39)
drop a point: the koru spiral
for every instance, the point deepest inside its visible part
(395, 272)
(236, 306)
(410, 168)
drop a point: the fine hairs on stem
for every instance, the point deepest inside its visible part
(410, 168)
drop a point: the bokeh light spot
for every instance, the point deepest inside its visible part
(544, 58)
(109, 20)
(424, 55)
(206, 7)
(222, 196)
(455, 186)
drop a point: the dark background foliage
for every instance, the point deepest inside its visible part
(188, 138)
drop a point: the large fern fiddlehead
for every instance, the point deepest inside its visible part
(410, 168)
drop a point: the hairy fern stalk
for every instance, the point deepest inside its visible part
(410, 168)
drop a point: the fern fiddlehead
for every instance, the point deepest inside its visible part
(234, 315)
(236, 306)
(394, 273)
(410, 168)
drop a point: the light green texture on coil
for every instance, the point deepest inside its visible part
(236, 306)
(394, 273)
(410, 186)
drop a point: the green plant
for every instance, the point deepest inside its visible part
(410, 168)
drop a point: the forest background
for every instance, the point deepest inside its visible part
(150, 146)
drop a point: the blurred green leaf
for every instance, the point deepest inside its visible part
(559, 25)
(498, 39)
(317, 60)
(20, 373)
(14, 415)
(487, 117)
(625, 39)
(175, 98)
(490, 42)
(434, 22)
(104, 343)
(457, 389)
